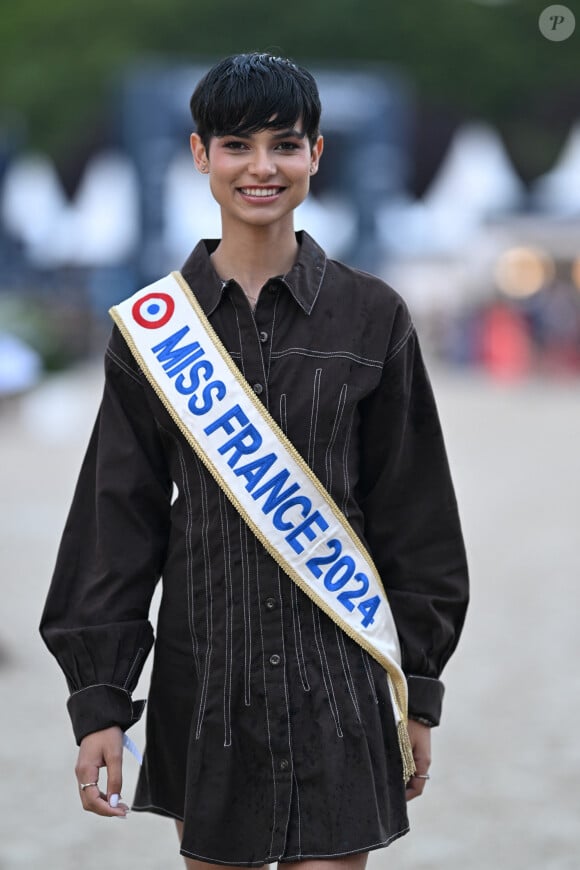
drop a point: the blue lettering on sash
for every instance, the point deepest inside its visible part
(277, 519)
(217, 387)
(305, 528)
(254, 471)
(223, 422)
(189, 360)
(276, 497)
(167, 352)
(247, 440)
(185, 388)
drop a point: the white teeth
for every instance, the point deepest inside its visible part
(260, 191)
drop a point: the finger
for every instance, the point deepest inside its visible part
(94, 801)
(415, 787)
(114, 762)
(86, 772)
(92, 798)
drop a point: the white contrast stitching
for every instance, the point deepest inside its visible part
(400, 344)
(270, 859)
(239, 335)
(318, 289)
(123, 365)
(261, 355)
(275, 793)
(189, 556)
(324, 667)
(98, 686)
(328, 354)
(139, 808)
(246, 607)
(298, 808)
(271, 342)
(283, 414)
(208, 596)
(314, 417)
(346, 670)
(333, 435)
(345, 450)
(138, 656)
(228, 620)
(369, 674)
(386, 842)
(285, 696)
(298, 638)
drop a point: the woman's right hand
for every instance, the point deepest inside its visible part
(101, 749)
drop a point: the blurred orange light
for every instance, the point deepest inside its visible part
(523, 271)
(576, 272)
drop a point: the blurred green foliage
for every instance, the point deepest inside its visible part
(483, 59)
(59, 331)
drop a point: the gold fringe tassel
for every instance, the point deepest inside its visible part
(406, 751)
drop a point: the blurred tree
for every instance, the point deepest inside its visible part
(59, 60)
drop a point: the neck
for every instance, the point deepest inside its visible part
(252, 255)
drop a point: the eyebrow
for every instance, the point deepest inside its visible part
(281, 134)
(284, 134)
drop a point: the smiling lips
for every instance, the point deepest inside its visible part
(261, 192)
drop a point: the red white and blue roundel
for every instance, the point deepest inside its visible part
(154, 310)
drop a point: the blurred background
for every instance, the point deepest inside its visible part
(452, 170)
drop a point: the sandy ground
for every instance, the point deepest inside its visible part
(505, 787)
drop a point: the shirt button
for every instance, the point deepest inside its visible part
(270, 603)
(263, 337)
(284, 764)
(275, 659)
(258, 388)
(273, 288)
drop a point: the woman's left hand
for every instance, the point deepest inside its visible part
(420, 737)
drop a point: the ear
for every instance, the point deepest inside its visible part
(198, 151)
(315, 155)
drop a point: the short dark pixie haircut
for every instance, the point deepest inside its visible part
(245, 93)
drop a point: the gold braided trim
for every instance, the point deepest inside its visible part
(397, 681)
(406, 751)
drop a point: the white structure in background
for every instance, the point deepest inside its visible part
(33, 205)
(558, 191)
(475, 181)
(191, 213)
(328, 219)
(20, 365)
(100, 227)
(105, 213)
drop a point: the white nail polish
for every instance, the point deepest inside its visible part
(113, 800)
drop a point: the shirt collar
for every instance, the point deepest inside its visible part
(303, 280)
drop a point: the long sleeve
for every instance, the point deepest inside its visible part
(411, 519)
(95, 620)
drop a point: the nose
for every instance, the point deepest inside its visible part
(262, 164)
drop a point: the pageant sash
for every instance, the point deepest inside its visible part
(261, 472)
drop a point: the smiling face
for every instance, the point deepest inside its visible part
(258, 178)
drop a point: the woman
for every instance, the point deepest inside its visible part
(271, 732)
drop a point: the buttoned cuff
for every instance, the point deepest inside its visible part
(102, 706)
(425, 699)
